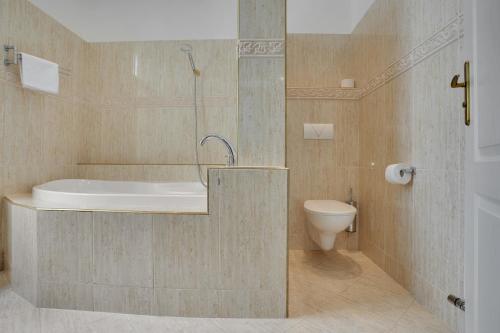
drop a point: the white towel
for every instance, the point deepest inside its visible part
(39, 74)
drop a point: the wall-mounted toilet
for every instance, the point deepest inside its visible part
(325, 219)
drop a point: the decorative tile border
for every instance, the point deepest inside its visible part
(324, 93)
(261, 48)
(447, 35)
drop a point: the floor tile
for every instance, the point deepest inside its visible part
(339, 292)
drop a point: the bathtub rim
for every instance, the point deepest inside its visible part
(26, 200)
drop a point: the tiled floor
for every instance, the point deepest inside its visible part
(337, 293)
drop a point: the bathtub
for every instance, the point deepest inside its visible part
(82, 194)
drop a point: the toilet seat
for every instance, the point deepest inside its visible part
(329, 207)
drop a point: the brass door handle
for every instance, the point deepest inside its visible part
(466, 86)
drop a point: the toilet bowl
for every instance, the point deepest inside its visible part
(325, 219)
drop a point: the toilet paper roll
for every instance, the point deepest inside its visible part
(347, 83)
(394, 174)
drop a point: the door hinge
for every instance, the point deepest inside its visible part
(457, 302)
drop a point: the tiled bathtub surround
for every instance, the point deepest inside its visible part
(126, 110)
(415, 233)
(231, 262)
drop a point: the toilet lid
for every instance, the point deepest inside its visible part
(329, 207)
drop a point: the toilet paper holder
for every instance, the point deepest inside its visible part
(411, 170)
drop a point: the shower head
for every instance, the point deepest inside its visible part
(188, 49)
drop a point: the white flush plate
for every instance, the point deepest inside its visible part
(318, 131)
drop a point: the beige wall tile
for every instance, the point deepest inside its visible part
(251, 304)
(185, 302)
(261, 122)
(122, 299)
(412, 232)
(185, 252)
(64, 242)
(65, 296)
(123, 249)
(156, 173)
(22, 252)
(245, 263)
(317, 60)
(148, 118)
(22, 120)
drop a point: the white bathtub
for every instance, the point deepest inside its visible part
(121, 196)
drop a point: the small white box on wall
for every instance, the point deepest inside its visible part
(318, 131)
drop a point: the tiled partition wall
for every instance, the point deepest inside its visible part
(141, 122)
(261, 110)
(231, 262)
(406, 53)
(38, 132)
(319, 169)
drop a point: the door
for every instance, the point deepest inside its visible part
(482, 167)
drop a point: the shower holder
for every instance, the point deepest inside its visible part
(411, 170)
(16, 57)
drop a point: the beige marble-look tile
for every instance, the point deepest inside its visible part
(150, 173)
(319, 272)
(156, 94)
(418, 320)
(3, 98)
(251, 303)
(331, 312)
(253, 234)
(261, 120)
(59, 142)
(185, 252)
(255, 325)
(17, 314)
(388, 305)
(64, 241)
(22, 251)
(61, 321)
(118, 143)
(310, 56)
(135, 300)
(123, 250)
(65, 296)
(174, 324)
(185, 302)
(262, 19)
(114, 324)
(22, 118)
(173, 126)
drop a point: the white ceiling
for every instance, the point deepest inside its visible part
(325, 16)
(139, 20)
